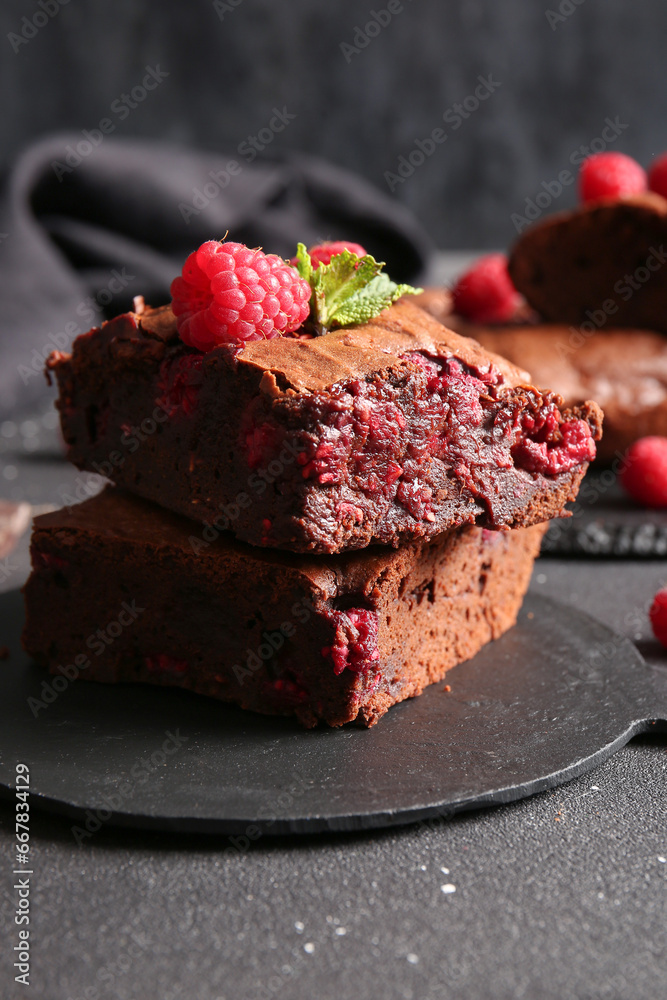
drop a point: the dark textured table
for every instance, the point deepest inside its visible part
(563, 895)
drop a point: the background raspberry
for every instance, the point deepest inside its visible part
(610, 175)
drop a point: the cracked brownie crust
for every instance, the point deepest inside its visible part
(391, 431)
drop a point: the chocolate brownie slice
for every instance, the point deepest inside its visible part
(603, 264)
(393, 430)
(122, 590)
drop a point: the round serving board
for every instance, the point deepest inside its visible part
(548, 701)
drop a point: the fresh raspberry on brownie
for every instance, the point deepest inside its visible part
(322, 253)
(230, 294)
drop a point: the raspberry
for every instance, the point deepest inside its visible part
(657, 175)
(485, 293)
(323, 252)
(47, 560)
(163, 663)
(658, 616)
(230, 294)
(610, 175)
(355, 646)
(179, 384)
(287, 690)
(644, 475)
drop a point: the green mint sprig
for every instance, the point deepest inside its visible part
(348, 290)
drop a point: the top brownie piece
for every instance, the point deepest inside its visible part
(384, 432)
(601, 265)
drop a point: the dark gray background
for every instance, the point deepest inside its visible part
(557, 87)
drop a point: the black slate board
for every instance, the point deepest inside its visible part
(605, 522)
(548, 701)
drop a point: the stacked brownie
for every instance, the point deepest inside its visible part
(316, 526)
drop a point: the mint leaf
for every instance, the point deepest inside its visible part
(303, 262)
(369, 301)
(336, 283)
(349, 289)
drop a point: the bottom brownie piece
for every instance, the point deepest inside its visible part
(122, 590)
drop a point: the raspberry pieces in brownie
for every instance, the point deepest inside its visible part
(383, 432)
